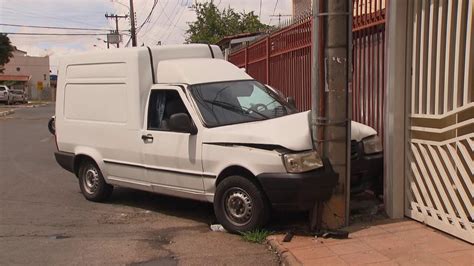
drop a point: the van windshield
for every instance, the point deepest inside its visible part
(233, 102)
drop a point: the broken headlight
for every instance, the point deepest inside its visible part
(302, 162)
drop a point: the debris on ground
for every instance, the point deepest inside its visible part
(288, 236)
(337, 234)
(217, 228)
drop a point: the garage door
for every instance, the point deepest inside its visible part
(440, 166)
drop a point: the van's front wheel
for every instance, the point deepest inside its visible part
(92, 182)
(240, 205)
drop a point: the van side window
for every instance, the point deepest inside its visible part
(163, 104)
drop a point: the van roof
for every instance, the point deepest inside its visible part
(198, 70)
(144, 59)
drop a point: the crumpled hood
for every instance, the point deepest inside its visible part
(360, 131)
(291, 132)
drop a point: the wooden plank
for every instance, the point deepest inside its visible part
(449, 55)
(440, 55)
(423, 57)
(431, 188)
(457, 183)
(438, 187)
(462, 171)
(459, 53)
(415, 57)
(419, 178)
(449, 187)
(466, 156)
(467, 234)
(442, 143)
(431, 66)
(469, 63)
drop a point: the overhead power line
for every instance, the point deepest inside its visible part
(51, 27)
(52, 34)
(274, 10)
(147, 19)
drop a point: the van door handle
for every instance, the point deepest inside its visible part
(147, 138)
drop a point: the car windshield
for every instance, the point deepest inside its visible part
(233, 102)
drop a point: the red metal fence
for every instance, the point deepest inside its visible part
(283, 60)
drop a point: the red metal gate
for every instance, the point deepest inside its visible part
(283, 60)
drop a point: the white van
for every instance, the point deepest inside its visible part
(181, 121)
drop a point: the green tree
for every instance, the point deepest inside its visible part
(6, 50)
(213, 24)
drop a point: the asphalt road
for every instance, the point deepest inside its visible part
(44, 219)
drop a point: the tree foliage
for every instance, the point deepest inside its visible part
(213, 24)
(6, 50)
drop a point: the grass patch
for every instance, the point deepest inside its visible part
(256, 236)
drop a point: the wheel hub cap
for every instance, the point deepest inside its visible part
(91, 181)
(238, 205)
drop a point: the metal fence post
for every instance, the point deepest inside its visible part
(267, 61)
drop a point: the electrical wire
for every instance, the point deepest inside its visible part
(51, 27)
(24, 13)
(176, 23)
(147, 19)
(170, 20)
(52, 34)
(274, 10)
(152, 24)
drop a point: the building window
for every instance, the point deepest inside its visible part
(18, 69)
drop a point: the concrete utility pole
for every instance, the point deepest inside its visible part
(116, 17)
(330, 96)
(132, 25)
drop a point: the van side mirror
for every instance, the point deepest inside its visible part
(291, 101)
(181, 122)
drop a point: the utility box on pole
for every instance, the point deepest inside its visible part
(114, 38)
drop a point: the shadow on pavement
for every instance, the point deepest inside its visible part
(183, 208)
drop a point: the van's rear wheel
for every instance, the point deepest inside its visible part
(92, 182)
(240, 205)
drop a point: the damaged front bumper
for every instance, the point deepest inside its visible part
(299, 192)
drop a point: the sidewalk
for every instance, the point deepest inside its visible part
(6, 111)
(388, 242)
(10, 109)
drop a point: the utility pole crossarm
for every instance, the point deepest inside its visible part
(116, 17)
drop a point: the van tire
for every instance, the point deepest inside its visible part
(249, 201)
(92, 183)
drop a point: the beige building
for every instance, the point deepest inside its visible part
(30, 73)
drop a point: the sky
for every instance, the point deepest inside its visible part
(168, 22)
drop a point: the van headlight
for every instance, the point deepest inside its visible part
(372, 145)
(302, 162)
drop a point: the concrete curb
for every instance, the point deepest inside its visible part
(29, 106)
(287, 258)
(5, 113)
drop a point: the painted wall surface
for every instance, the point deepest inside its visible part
(34, 66)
